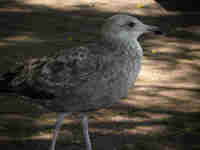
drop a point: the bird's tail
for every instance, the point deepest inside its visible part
(5, 81)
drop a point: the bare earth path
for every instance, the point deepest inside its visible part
(161, 112)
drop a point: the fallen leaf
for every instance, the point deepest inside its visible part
(69, 38)
(140, 5)
(153, 51)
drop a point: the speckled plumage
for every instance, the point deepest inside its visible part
(88, 77)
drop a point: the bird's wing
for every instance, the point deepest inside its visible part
(70, 67)
(50, 76)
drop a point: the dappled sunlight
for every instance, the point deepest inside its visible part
(121, 118)
(3, 44)
(171, 44)
(166, 92)
(41, 136)
(49, 3)
(146, 129)
(163, 96)
(22, 38)
(150, 7)
(175, 64)
(16, 10)
(52, 121)
(106, 131)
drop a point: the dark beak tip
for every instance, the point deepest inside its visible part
(158, 32)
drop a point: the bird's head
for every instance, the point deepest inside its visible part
(125, 27)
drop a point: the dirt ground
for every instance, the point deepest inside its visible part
(162, 110)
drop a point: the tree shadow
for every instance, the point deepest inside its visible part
(178, 5)
(182, 132)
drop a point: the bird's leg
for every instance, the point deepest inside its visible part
(57, 128)
(84, 122)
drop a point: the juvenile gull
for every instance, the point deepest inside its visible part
(85, 78)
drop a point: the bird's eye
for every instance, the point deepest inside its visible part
(131, 24)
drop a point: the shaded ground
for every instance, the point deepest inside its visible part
(161, 112)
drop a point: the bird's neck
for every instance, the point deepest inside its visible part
(131, 46)
(136, 46)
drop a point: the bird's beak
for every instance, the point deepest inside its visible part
(153, 29)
